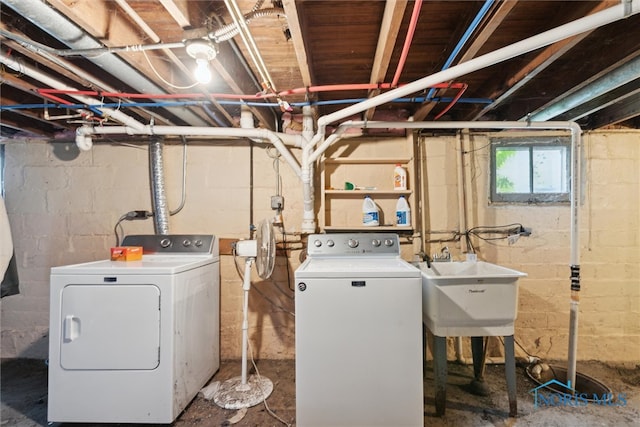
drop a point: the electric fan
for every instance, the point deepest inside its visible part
(242, 392)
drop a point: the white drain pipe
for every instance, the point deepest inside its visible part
(83, 136)
(624, 9)
(47, 80)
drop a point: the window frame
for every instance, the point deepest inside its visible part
(531, 197)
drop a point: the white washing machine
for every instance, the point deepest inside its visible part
(358, 333)
(134, 341)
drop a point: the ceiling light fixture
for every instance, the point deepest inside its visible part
(202, 51)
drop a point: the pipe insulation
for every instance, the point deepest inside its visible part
(158, 191)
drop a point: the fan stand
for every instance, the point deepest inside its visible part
(240, 392)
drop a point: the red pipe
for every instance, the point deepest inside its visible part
(453, 101)
(302, 90)
(407, 41)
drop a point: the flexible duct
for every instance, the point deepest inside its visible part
(158, 193)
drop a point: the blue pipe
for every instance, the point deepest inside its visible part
(465, 37)
(419, 99)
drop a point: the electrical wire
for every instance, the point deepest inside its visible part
(264, 396)
(115, 228)
(184, 177)
(161, 78)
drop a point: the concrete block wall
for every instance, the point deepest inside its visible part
(63, 209)
(609, 317)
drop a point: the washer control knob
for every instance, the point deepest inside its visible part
(302, 286)
(165, 243)
(317, 243)
(186, 243)
(376, 242)
(198, 243)
(352, 243)
(388, 242)
(330, 243)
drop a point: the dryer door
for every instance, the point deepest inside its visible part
(109, 327)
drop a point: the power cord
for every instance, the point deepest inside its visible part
(129, 216)
(264, 400)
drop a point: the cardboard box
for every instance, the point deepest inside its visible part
(126, 253)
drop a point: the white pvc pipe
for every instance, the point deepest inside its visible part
(56, 84)
(83, 134)
(570, 29)
(308, 212)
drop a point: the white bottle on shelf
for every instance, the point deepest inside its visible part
(403, 213)
(370, 213)
(399, 178)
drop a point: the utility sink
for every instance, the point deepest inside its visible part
(470, 298)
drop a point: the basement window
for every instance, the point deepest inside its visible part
(530, 170)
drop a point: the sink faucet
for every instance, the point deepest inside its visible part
(443, 256)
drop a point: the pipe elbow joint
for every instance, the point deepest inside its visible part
(83, 138)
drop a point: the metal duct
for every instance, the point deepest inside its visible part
(158, 193)
(58, 26)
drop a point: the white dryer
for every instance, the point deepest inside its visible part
(134, 341)
(358, 333)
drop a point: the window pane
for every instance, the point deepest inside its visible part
(549, 166)
(512, 170)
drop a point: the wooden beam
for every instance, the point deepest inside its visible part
(103, 20)
(391, 21)
(297, 38)
(537, 65)
(178, 10)
(501, 11)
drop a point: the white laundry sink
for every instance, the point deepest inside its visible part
(471, 298)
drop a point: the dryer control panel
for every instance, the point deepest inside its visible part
(353, 244)
(172, 243)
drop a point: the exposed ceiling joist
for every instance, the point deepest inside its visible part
(321, 53)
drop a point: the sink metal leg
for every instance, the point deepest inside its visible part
(510, 373)
(440, 373)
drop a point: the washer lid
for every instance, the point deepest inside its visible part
(356, 267)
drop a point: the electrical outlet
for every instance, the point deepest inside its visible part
(277, 202)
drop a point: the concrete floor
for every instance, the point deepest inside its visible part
(24, 398)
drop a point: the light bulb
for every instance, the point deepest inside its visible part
(202, 72)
